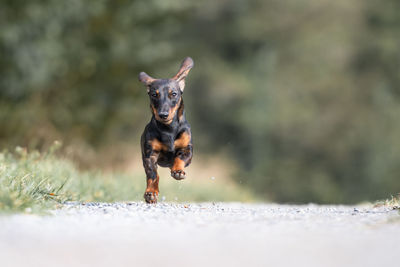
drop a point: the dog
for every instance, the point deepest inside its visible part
(167, 138)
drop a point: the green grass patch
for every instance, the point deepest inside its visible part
(35, 182)
(393, 202)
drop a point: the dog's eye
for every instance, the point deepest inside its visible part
(154, 94)
(174, 94)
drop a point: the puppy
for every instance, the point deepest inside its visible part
(167, 138)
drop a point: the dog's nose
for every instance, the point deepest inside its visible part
(163, 115)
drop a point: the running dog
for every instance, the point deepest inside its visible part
(167, 138)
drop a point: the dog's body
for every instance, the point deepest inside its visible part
(167, 139)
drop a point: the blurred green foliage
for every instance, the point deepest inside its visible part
(303, 94)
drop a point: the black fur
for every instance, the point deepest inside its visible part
(163, 136)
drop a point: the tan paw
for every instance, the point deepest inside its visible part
(151, 197)
(178, 174)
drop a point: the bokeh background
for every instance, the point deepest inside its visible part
(296, 100)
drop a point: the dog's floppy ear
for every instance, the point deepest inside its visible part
(186, 65)
(146, 79)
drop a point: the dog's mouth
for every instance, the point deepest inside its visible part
(166, 120)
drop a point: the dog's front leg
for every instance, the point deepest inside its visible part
(183, 157)
(150, 167)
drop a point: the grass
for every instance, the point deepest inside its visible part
(35, 182)
(393, 202)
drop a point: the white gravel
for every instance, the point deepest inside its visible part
(207, 234)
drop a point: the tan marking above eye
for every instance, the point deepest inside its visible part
(182, 141)
(170, 94)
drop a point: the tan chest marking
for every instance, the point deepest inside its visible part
(182, 141)
(157, 145)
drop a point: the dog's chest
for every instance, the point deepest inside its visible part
(168, 142)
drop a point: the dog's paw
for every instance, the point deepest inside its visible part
(178, 174)
(151, 197)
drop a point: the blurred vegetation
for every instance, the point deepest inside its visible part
(393, 202)
(304, 95)
(36, 182)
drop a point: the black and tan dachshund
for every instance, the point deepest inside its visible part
(167, 139)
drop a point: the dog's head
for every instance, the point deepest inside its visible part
(166, 94)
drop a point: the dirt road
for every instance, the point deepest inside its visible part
(222, 234)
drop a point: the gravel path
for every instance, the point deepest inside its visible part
(207, 234)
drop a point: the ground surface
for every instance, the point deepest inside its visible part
(225, 234)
